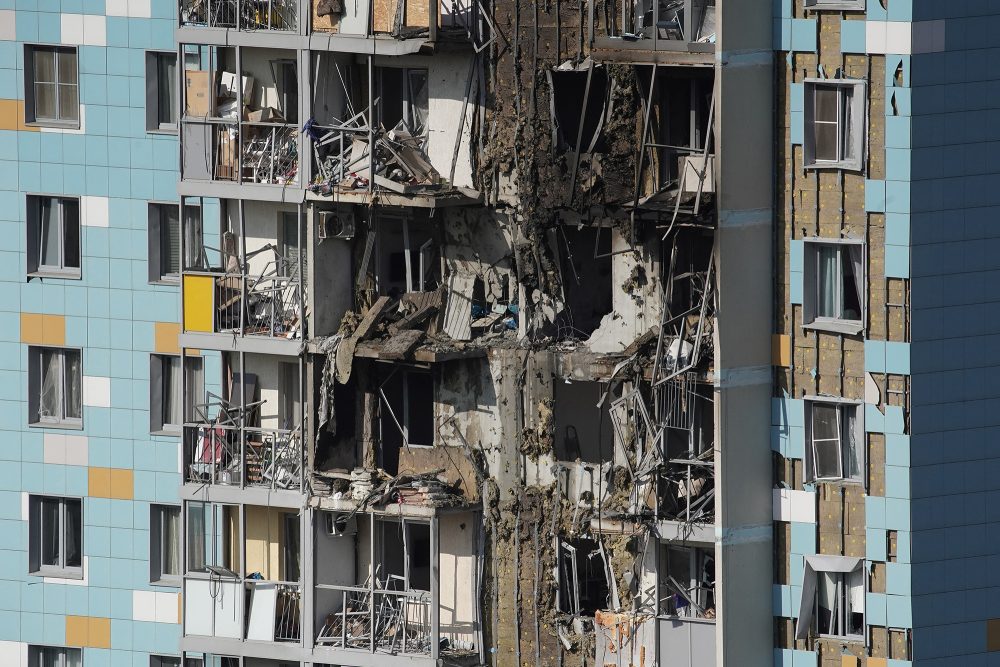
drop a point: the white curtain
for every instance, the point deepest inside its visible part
(829, 278)
(171, 537)
(73, 530)
(854, 457)
(196, 537)
(857, 259)
(73, 380)
(172, 399)
(50, 398)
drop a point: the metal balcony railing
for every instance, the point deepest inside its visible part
(667, 24)
(266, 153)
(280, 601)
(269, 153)
(380, 620)
(242, 14)
(224, 453)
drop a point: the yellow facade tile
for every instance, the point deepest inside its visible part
(77, 630)
(875, 662)
(99, 482)
(38, 329)
(199, 303)
(99, 632)
(165, 338)
(12, 116)
(122, 484)
(781, 351)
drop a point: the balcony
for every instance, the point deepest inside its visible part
(655, 25)
(417, 20)
(280, 15)
(690, 642)
(379, 620)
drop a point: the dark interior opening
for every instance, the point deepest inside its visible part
(583, 582)
(582, 430)
(568, 90)
(408, 405)
(586, 279)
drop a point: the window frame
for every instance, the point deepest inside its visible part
(860, 452)
(159, 658)
(153, 102)
(35, 268)
(31, 117)
(192, 371)
(35, 531)
(158, 546)
(35, 381)
(35, 655)
(858, 117)
(834, 5)
(811, 286)
(157, 235)
(843, 567)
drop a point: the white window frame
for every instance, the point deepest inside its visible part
(35, 655)
(34, 204)
(35, 531)
(31, 116)
(840, 568)
(812, 247)
(841, 406)
(858, 118)
(35, 381)
(153, 101)
(189, 391)
(835, 5)
(157, 230)
(158, 545)
(158, 660)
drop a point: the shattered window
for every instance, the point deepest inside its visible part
(836, 442)
(833, 597)
(583, 579)
(403, 99)
(687, 581)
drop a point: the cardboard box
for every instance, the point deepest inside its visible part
(197, 93)
(227, 143)
(227, 110)
(227, 86)
(266, 115)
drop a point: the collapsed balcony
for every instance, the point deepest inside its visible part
(387, 597)
(655, 25)
(396, 19)
(247, 275)
(258, 599)
(240, 128)
(371, 130)
(253, 437)
(279, 15)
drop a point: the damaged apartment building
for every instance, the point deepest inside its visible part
(459, 265)
(507, 333)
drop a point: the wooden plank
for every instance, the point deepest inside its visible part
(384, 15)
(413, 320)
(417, 13)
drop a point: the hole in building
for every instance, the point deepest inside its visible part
(569, 89)
(402, 243)
(583, 580)
(586, 279)
(407, 567)
(406, 411)
(582, 432)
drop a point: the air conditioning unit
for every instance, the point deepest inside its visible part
(339, 525)
(336, 225)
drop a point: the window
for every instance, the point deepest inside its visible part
(161, 92)
(293, 255)
(168, 406)
(289, 399)
(403, 99)
(834, 123)
(54, 387)
(164, 243)
(165, 544)
(833, 598)
(687, 581)
(583, 578)
(56, 536)
(53, 237)
(54, 656)
(213, 538)
(835, 437)
(164, 661)
(834, 286)
(836, 5)
(51, 95)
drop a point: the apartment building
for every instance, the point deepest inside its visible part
(408, 332)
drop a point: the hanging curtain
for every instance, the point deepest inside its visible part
(50, 398)
(829, 277)
(857, 258)
(48, 247)
(73, 530)
(854, 455)
(172, 399)
(196, 537)
(171, 542)
(193, 242)
(73, 381)
(74, 657)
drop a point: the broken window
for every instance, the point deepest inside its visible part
(407, 258)
(834, 286)
(582, 430)
(687, 581)
(402, 98)
(834, 123)
(575, 101)
(583, 577)
(405, 556)
(835, 437)
(833, 598)
(406, 415)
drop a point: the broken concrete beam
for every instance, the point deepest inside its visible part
(401, 345)
(371, 318)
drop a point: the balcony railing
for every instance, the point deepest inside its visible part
(249, 152)
(379, 620)
(228, 454)
(267, 304)
(657, 24)
(275, 611)
(242, 14)
(269, 611)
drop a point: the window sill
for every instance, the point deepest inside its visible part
(853, 639)
(171, 431)
(69, 425)
(833, 481)
(69, 274)
(167, 281)
(846, 327)
(75, 575)
(836, 7)
(162, 130)
(53, 124)
(841, 166)
(167, 583)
